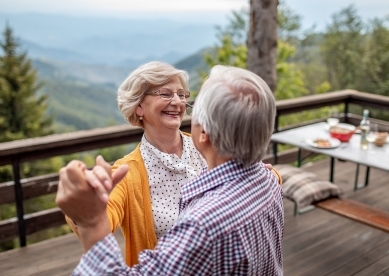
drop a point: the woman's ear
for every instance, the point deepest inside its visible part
(139, 111)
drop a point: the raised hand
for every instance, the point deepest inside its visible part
(86, 203)
(83, 194)
(102, 179)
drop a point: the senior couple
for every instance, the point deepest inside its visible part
(203, 204)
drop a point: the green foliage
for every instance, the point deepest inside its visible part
(343, 49)
(231, 48)
(22, 113)
(288, 22)
(228, 53)
(375, 75)
(290, 82)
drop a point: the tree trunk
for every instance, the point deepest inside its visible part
(262, 40)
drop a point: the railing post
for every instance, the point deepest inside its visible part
(275, 148)
(346, 109)
(19, 200)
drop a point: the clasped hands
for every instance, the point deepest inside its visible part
(83, 194)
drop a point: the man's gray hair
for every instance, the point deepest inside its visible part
(152, 74)
(236, 108)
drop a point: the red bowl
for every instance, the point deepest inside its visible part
(343, 132)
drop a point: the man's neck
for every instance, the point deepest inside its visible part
(214, 160)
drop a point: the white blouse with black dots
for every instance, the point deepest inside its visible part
(167, 173)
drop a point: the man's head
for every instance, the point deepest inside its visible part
(236, 109)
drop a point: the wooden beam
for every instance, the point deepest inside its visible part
(356, 211)
(34, 222)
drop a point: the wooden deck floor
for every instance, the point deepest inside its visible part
(315, 243)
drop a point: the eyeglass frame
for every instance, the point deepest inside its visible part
(157, 93)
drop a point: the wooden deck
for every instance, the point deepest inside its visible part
(316, 242)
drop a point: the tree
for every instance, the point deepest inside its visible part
(22, 112)
(375, 76)
(262, 40)
(343, 49)
(232, 50)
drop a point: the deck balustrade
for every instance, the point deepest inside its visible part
(16, 152)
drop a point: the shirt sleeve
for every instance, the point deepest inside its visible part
(104, 258)
(185, 249)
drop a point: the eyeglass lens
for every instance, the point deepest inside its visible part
(168, 94)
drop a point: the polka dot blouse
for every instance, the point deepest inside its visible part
(166, 174)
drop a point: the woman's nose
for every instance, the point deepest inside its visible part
(175, 99)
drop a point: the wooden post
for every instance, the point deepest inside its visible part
(19, 200)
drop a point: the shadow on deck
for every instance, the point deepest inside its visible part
(315, 243)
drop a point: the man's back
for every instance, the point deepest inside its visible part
(239, 212)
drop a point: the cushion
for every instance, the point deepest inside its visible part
(303, 187)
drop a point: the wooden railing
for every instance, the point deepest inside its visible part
(17, 152)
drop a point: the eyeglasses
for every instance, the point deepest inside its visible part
(189, 108)
(168, 94)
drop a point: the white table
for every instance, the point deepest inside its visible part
(376, 157)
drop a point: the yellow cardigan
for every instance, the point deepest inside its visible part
(129, 207)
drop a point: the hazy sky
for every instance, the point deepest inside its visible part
(312, 11)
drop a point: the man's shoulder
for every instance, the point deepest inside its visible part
(231, 206)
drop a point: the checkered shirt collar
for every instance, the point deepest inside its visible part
(209, 180)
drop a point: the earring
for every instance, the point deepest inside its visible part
(140, 118)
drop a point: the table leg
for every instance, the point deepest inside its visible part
(299, 158)
(356, 178)
(367, 176)
(332, 169)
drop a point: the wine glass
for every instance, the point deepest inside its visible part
(372, 133)
(333, 117)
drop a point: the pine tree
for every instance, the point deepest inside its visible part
(22, 112)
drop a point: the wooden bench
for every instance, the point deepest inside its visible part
(356, 211)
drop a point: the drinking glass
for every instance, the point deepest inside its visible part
(372, 133)
(333, 117)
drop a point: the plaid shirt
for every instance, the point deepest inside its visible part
(231, 223)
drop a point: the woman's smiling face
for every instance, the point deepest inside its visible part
(158, 113)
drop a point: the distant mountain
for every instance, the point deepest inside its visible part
(39, 52)
(95, 74)
(78, 105)
(83, 96)
(109, 41)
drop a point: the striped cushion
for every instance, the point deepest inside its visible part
(304, 187)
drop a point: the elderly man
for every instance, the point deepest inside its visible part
(231, 217)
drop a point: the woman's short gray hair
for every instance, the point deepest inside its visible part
(131, 91)
(236, 108)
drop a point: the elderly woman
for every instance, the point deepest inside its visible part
(145, 203)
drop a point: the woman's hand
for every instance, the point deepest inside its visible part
(269, 166)
(102, 179)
